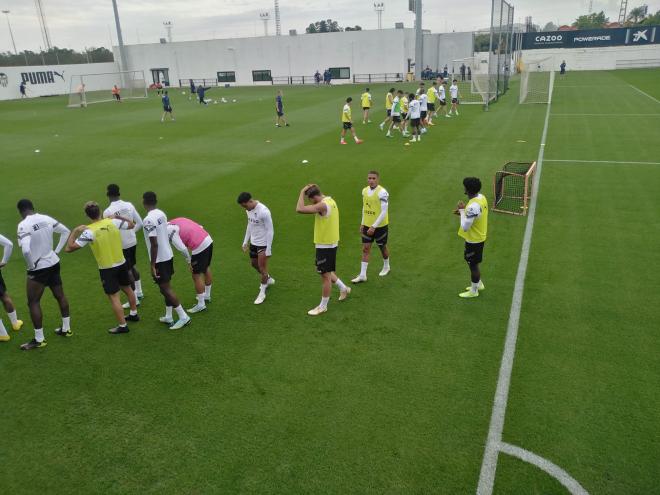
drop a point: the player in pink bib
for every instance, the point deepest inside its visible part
(196, 245)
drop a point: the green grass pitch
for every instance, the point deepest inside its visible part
(389, 392)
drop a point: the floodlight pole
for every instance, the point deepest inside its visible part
(419, 39)
(379, 7)
(265, 17)
(11, 33)
(120, 39)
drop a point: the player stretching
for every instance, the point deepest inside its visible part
(119, 208)
(326, 239)
(389, 98)
(16, 324)
(347, 123)
(473, 228)
(366, 106)
(167, 107)
(374, 226)
(154, 227)
(453, 91)
(279, 110)
(396, 115)
(415, 115)
(188, 235)
(258, 240)
(102, 235)
(35, 237)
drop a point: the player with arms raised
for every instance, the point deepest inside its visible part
(473, 228)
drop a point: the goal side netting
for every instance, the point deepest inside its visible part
(513, 187)
(536, 79)
(475, 84)
(85, 89)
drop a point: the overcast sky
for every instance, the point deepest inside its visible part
(81, 23)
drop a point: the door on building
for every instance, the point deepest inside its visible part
(161, 76)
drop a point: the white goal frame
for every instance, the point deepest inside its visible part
(536, 80)
(86, 89)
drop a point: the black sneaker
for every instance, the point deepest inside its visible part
(33, 344)
(132, 318)
(63, 333)
(116, 330)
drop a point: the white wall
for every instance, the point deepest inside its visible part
(605, 58)
(441, 49)
(48, 80)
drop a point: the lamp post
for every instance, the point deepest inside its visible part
(379, 7)
(11, 33)
(265, 16)
(168, 28)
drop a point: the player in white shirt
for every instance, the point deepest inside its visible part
(442, 97)
(453, 91)
(423, 110)
(258, 240)
(396, 114)
(16, 324)
(161, 257)
(124, 209)
(415, 115)
(35, 238)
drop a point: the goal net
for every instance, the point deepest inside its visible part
(85, 89)
(536, 79)
(473, 80)
(513, 187)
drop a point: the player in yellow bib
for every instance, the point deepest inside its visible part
(326, 240)
(365, 99)
(389, 101)
(103, 237)
(473, 228)
(374, 225)
(347, 122)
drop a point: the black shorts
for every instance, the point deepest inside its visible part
(165, 271)
(256, 250)
(389, 112)
(396, 118)
(422, 114)
(443, 103)
(415, 122)
(129, 256)
(167, 108)
(3, 287)
(115, 278)
(49, 277)
(326, 260)
(200, 262)
(348, 125)
(404, 116)
(474, 253)
(379, 237)
(366, 108)
(455, 100)
(431, 107)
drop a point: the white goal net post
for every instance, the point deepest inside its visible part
(85, 89)
(475, 83)
(536, 80)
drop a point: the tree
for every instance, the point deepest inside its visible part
(482, 42)
(637, 15)
(550, 26)
(325, 26)
(651, 20)
(591, 21)
(56, 56)
(356, 28)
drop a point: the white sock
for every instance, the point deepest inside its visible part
(132, 313)
(363, 269)
(474, 288)
(386, 263)
(340, 285)
(168, 311)
(66, 323)
(356, 138)
(207, 291)
(324, 302)
(201, 300)
(181, 312)
(39, 334)
(3, 330)
(138, 286)
(12, 317)
(263, 287)
(343, 140)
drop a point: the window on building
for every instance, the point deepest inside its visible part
(340, 72)
(228, 76)
(261, 75)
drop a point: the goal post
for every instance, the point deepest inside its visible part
(85, 89)
(474, 84)
(513, 187)
(536, 79)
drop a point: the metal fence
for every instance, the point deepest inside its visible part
(184, 83)
(376, 78)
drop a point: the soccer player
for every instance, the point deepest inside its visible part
(415, 115)
(123, 209)
(347, 123)
(405, 102)
(453, 91)
(35, 237)
(154, 227)
(326, 239)
(116, 93)
(193, 90)
(396, 114)
(188, 235)
(374, 225)
(102, 235)
(167, 107)
(201, 91)
(258, 240)
(279, 110)
(389, 98)
(432, 96)
(423, 111)
(16, 324)
(366, 106)
(442, 98)
(22, 89)
(473, 228)
(562, 67)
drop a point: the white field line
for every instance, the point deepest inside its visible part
(545, 465)
(645, 94)
(606, 115)
(602, 161)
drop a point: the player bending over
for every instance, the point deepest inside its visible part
(347, 123)
(473, 228)
(258, 240)
(326, 239)
(453, 91)
(35, 237)
(16, 324)
(102, 235)
(374, 225)
(188, 235)
(167, 107)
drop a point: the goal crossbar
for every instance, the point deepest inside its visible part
(85, 89)
(512, 187)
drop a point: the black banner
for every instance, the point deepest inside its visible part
(587, 38)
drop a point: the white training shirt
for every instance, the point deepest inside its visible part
(126, 210)
(155, 225)
(35, 237)
(423, 102)
(87, 237)
(260, 231)
(453, 90)
(414, 109)
(384, 198)
(441, 93)
(8, 248)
